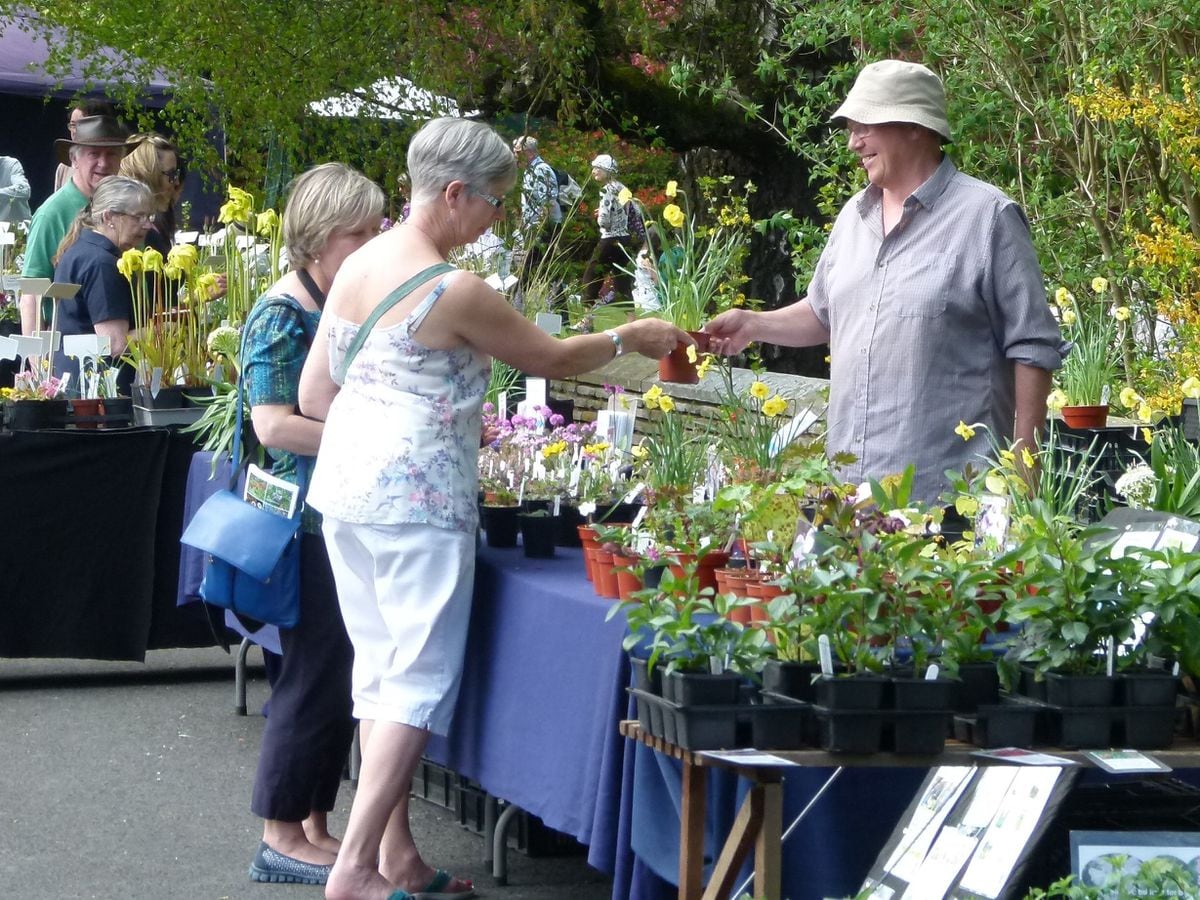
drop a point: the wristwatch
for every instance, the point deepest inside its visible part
(618, 347)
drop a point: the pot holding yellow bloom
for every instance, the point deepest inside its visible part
(1083, 383)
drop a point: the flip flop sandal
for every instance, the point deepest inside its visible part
(436, 889)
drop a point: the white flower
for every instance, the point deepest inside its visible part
(1137, 486)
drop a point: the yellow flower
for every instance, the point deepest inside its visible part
(152, 260)
(1191, 387)
(238, 208)
(639, 452)
(230, 212)
(1063, 297)
(184, 257)
(759, 391)
(1145, 412)
(625, 196)
(650, 398)
(1068, 316)
(705, 365)
(673, 215)
(966, 505)
(1057, 399)
(964, 431)
(1147, 435)
(552, 450)
(691, 353)
(172, 272)
(206, 285)
(665, 403)
(672, 189)
(1121, 313)
(595, 450)
(996, 483)
(1099, 284)
(1129, 398)
(130, 263)
(774, 407)
(240, 197)
(266, 222)
(1027, 458)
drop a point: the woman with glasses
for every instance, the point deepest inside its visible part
(396, 474)
(154, 161)
(115, 220)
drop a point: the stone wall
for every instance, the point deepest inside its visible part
(700, 402)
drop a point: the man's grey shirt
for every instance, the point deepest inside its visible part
(926, 324)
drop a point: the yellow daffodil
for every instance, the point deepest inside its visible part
(759, 391)
(639, 452)
(1145, 412)
(1007, 456)
(1063, 297)
(130, 263)
(774, 407)
(1147, 435)
(673, 215)
(964, 431)
(1121, 313)
(691, 353)
(624, 196)
(152, 260)
(1027, 458)
(1129, 397)
(1099, 284)
(266, 222)
(1191, 387)
(653, 394)
(705, 365)
(672, 189)
(1057, 399)
(552, 450)
(1068, 316)
(184, 257)
(665, 403)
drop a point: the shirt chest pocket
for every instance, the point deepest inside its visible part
(924, 289)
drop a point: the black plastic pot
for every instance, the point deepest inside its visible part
(538, 534)
(778, 726)
(569, 520)
(706, 727)
(852, 692)
(849, 731)
(1148, 728)
(167, 397)
(999, 725)
(118, 411)
(500, 525)
(1072, 728)
(922, 694)
(645, 678)
(979, 685)
(919, 733)
(1080, 690)
(791, 679)
(704, 689)
(1147, 689)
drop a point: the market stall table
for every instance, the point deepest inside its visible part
(90, 564)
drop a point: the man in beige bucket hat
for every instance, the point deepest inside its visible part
(94, 152)
(928, 292)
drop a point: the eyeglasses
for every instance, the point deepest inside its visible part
(857, 129)
(493, 202)
(172, 175)
(146, 218)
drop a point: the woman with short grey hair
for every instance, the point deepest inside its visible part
(114, 220)
(396, 474)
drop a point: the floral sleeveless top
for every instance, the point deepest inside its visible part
(401, 442)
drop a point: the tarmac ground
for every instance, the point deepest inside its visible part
(131, 781)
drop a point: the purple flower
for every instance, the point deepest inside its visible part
(556, 420)
(489, 408)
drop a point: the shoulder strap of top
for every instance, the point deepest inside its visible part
(384, 305)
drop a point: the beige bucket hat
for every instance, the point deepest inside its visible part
(892, 90)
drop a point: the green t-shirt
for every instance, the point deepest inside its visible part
(49, 226)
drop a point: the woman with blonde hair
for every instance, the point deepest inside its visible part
(154, 161)
(396, 475)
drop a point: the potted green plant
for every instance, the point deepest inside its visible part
(1089, 370)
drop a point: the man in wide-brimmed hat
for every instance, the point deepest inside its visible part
(94, 152)
(928, 292)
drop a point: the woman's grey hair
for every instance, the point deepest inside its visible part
(448, 149)
(327, 198)
(115, 194)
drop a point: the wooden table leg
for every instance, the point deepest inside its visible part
(744, 835)
(691, 832)
(768, 866)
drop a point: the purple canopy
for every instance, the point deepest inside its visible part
(23, 58)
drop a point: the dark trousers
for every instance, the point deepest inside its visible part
(539, 240)
(308, 733)
(610, 253)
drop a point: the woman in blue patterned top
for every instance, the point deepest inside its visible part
(331, 212)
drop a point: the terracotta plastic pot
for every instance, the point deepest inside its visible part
(587, 539)
(627, 581)
(1086, 416)
(605, 583)
(676, 368)
(705, 570)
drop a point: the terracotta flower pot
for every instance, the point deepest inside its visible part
(85, 413)
(627, 581)
(705, 570)
(587, 539)
(676, 368)
(1086, 416)
(605, 583)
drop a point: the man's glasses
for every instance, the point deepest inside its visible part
(493, 202)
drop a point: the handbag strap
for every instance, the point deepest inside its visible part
(384, 305)
(302, 462)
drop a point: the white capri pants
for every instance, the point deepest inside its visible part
(405, 594)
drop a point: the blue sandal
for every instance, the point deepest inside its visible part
(436, 889)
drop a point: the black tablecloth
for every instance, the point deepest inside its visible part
(90, 558)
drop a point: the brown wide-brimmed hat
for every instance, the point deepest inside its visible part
(92, 131)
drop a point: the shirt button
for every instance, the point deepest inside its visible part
(862, 351)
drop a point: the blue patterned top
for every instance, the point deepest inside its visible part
(274, 348)
(401, 441)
